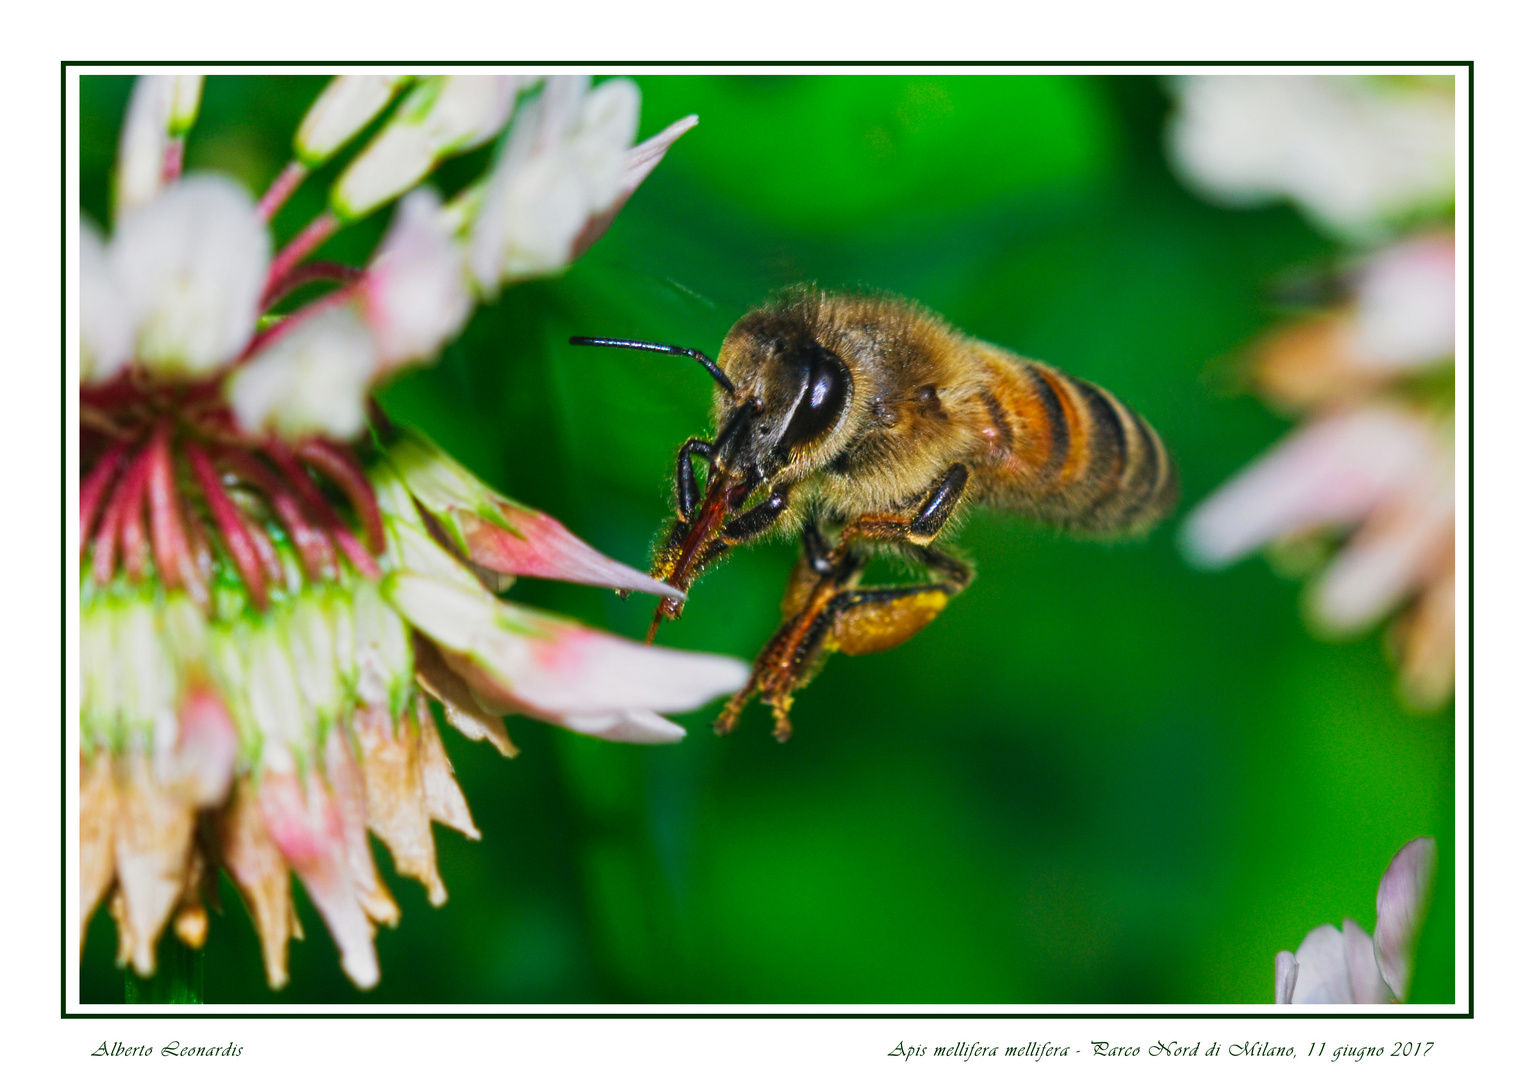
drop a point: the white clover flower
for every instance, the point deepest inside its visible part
(1348, 966)
(567, 167)
(265, 604)
(1353, 152)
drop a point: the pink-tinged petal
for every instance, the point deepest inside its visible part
(539, 546)
(459, 704)
(351, 800)
(497, 533)
(638, 163)
(307, 828)
(635, 726)
(153, 838)
(98, 814)
(547, 667)
(444, 798)
(396, 799)
(206, 745)
(1332, 472)
(1400, 907)
(1322, 971)
(1285, 970)
(261, 874)
(1397, 552)
(1365, 983)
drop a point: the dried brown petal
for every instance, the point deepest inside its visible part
(444, 799)
(153, 841)
(1424, 637)
(391, 770)
(1310, 362)
(347, 784)
(459, 703)
(118, 908)
(98, 810)
(191, 923)
(261, 874)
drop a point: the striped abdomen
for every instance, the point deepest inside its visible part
(1068, 452)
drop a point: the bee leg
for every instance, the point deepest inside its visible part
(919, 529)
(687, 481)
(759, 519)
(793, 654)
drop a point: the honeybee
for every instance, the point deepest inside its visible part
(865, 422)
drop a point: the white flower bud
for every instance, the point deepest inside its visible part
(346, 106)
(445, 114)
(313, 380)
(192, 265)
(186, 97)
(469, 110)
(162, 107)
(394, 161)
(106, 332)
(416, 293)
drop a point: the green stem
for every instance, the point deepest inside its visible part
(178, 977)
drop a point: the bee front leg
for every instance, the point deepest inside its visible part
(687, 480)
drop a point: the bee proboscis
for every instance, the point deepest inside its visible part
(865, 422)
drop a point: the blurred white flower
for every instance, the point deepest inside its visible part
(416, 290)
(1348, 966)
(1354, 152)
(262, 615)
(191, 265)
(1373, 463)
(106, 329)
(313, 380)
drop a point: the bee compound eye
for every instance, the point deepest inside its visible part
(825, 393)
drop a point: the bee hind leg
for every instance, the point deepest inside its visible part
(826, 611)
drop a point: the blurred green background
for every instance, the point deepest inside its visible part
(1102, 776)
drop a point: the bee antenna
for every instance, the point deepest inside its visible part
(670, 350)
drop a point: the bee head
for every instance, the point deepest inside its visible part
(792, 394)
